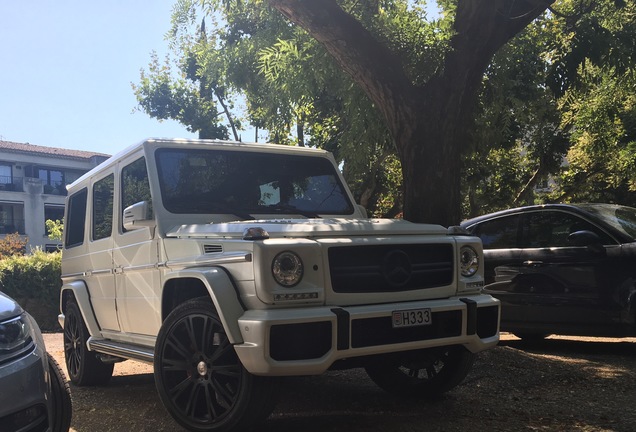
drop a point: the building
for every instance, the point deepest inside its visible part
(33, 183)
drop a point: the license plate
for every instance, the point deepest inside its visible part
(412, 318)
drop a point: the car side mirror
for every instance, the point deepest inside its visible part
(585, 238)
(138, 216)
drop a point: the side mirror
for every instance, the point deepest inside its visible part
(138, 216)
(585, 238)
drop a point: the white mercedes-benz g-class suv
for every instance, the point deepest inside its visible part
(228, 264)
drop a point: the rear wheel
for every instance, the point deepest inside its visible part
(62, 405)
(83, 366)
(423, 374)
(199, 377)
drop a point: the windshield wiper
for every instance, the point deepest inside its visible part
(288, 208)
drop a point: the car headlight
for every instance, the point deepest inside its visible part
(469, 261)
(15, 337)
(287, 268)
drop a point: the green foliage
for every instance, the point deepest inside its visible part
(559, 89)
(594, 73)
(558, 103)
(34, 282)
(602, 160)
(55, 229)
(12, 244)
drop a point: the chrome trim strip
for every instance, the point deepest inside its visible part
(228, 258)
(119, 349)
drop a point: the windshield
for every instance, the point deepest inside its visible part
(241, 183)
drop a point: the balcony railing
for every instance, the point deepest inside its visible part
(9, 183)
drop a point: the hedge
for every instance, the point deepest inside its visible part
(34, 281)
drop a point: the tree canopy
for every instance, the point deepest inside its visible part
(439, 115)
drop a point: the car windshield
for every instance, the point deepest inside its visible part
(201, 181)
(620, 217)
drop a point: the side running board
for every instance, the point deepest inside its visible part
(120, 349)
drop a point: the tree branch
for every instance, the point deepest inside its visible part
(370, 63)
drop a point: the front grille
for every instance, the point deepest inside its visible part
(390, 268)
(379, 331)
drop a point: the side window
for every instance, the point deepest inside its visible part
(135, 186)
(74, 229)
(552, 228)
(54, 213)
(499, 233)
(103, 207)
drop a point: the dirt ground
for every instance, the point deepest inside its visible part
(560, 384)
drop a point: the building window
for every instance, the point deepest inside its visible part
(52, 248)
(51, 177)
(11, 218)
(54, 213)
(6, 174)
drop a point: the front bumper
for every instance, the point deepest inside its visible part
(307, 341)
(24, 400)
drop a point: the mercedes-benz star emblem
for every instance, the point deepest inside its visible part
(396, 268)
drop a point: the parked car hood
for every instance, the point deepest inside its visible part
(278, 228)
(8, 307)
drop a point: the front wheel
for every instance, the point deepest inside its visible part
(199, 377)
(83, 366)
(422, 374)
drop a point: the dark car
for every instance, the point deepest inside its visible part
(34, 395)
(561, 268)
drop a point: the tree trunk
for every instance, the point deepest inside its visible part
(430, 124)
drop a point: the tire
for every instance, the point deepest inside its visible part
(83, 366)
(61, 403)
(425, 374)
(199, 377)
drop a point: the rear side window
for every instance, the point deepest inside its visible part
(552, 229)
(75, 220)
(103, 207)
(501, 233)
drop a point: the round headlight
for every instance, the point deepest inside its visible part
(469, 261)
(287, 269)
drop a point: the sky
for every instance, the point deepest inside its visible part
(66, 68)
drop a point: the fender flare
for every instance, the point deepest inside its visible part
(79, 291)
(223, 294)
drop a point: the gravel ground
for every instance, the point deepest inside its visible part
(560, 384)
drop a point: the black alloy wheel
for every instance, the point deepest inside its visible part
(423, 374)
(199, 377)
(83, 366)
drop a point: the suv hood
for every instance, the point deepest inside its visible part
(333, 227)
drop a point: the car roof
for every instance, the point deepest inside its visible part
(577, 208)
(588, 211)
